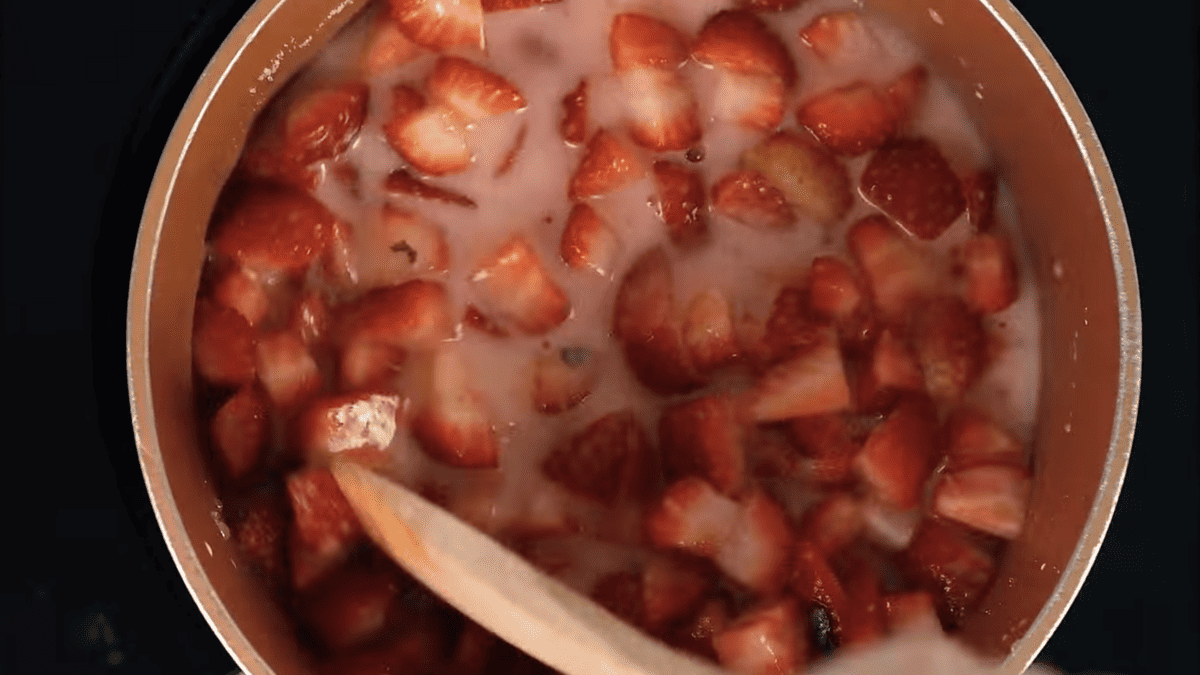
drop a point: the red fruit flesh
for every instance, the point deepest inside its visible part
(951, 344)
(681, 203)
(910, 180)
(223, 345)
(513, 281)
(740, 41)
(239, 431)
(750, 199)
(989, 272)
(764, 641)
(610, 458)
(640, 41)
(948, 564)
(607, 165)
(705, 438)
(990, 498)
(899, 455)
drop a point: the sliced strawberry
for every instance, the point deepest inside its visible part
(286, 369)
(769, 5)
(891, 369)
(416, 244)
(948, 564)
(574, 124)
(453, 425)
(764, 641)
(606, 460)
(865, 618)
(472, 91)
(899, 275)
(913, 610)
(361, 426)
(973, 438)
(241, 289)
(836, 35)
(323, 123)
(833, 523)
(753, 101)
(386, 48)
(758, 552)
(349, 608)
(621, 594)
(260, 537)
(640, 41)
(324, 530)
(430, 140)
(808, 175)
(979, 192)
(692, 516)
(811, 383)
(740, 41)
(404, 183)
(563, 378)
(440, 25)
(608, 164)
(273, 230)
(704, 437)
(663, 114)
(898, 456)
(681, 203)
(513, 281)
(587, 243)
(749, 198)
(473, 318)
(910, 180)
(708, 331)
(951, 344)
(850, 120)
(790, 332)
(828, 440)
(223, 345)
(990, 498)
(505, 5)
(671, 589)
(239, 431)
(833, 289)
(989, 273)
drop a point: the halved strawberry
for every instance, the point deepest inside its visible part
(440, 25)
(640, 41)
(764, 641)
(811, 383)
(671, 589)
(322, 123)
(979, 192)
(708, 331)
(948, 564)
(453, 424)
(828, 440)
(769, 5)
(607, 164)
(989, 273)
(563, 378)
(416, 244)
(260, 537)
(973, 438)
(900, 276)
(754, 101)
(910, 180)
(833, 523)
(386, 47)
(324, 529)
(608, 459)
(758, 552)
(430, 140)
(273, 230)
(705, 437)
(350, 608)
(913, 610)
(621, 594)
(505, 5)
(834, 291)
(286, 369)
(587, 242)
(473, 318)
(749, 198)
(692, 516)
(836, 35)
(662, 112)
(472, 91)
(790, 331)
(404, 183)
(681, 203)
(991, 498)
(898, 456)
(573, 126)
(891, 368)
(223, 345)
(361, 426)
(808, 175)
(241, 289)
(740, 41)
(515, 284)
(951, 344)
(851, 119)
(239, 431)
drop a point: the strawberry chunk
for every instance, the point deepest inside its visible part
(850, 120)
(607, 165)
(704, 437)
(979, 192)
(404, 183)
(973, 438)
(865, 618)
(563, 378)
(240, 289)
(361, 426)
(681, 203)
(708, 331)
(368, 364)
(811, 383)
(764, 641)
(989, 273)
(349, 608)
(904, 93)
(587, 243)
(412, 314)
(696, 634)
(472, 91)
(323, 123)
(910, 180)
(753, 101)
(891, 369)
(621, 594)
(430, 140)
(574, 123)
(223, 345)
(640, 41)
(605, 461)
(738, 40)
(505, 5)
(749, 198)
(898, 456)
(239, 431)
(948, 564)
(827, 439)
(662, 113)
(771, 456)
(833, 523)
(692, 516)
(386, 48)
(990, 498)
(453, 426)
(260, 537)
(951, 344)
(790, 331)
(310, 317)
(671, 589)
(913, 610)
(833, 289)
(324, 529)
(274, 230)
(440, 25)
(513, 281)
(415, 244)
(900, 277)
(808, 175)
(286, 369)
(769, 5)
(815, 582)
(836, 35)
(758, 552)
(473, 318)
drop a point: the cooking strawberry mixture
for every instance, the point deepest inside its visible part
(712, 309)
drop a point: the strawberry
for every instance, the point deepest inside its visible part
(989, 273)
(605, 461)
(772, 456)
(662, 112)
(913, 610)
(704, 437)
(833, 523)
(815, 582)
(898, 456)
(513, 281)
(671, 589)
(362, 426)
(979, 193)
(990, 498)
(239, 431)
(708, 331)
(309, 316)
(758, 552)
(764, 641)
(404, 183)
(324, 529)
(749, 198)
(368, 364)
(910, 180)
(834, 291)
(850, 120)
(769, 5)
(417, 245)
(473, 318)
(587, 242)
(440, 25)
(692, 516)
(323, 123)
(865, 618)
(286, 369)
(811, 383)
(789, 330)
(265, 159)
(943, 560)
(621, 594)
(607, 164)
(386, 47)
(808, 175)
(899, 275)
(453, 424)
(640, 41)
(836, 35)
(273, 230)
(430, 140)
(902, 94)
(739, 41)
(973, 438)
(241, 289)
(828, 440)
(753, 101)
(260, 537)
(505, 5)
(472, 91)
(892, 368)
(573, 126)
(339, 263)
(350, 607)
(223, 345)
(514, 151)
(695, 634)
(951, 343)
(412, 314)
(681, 203)
(563, 378)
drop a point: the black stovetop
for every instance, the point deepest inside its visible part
(90, 91)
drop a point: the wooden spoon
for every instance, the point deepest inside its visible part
(499, 590)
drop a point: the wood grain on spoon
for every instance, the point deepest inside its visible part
(499, 590)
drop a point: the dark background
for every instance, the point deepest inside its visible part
(89, 93)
